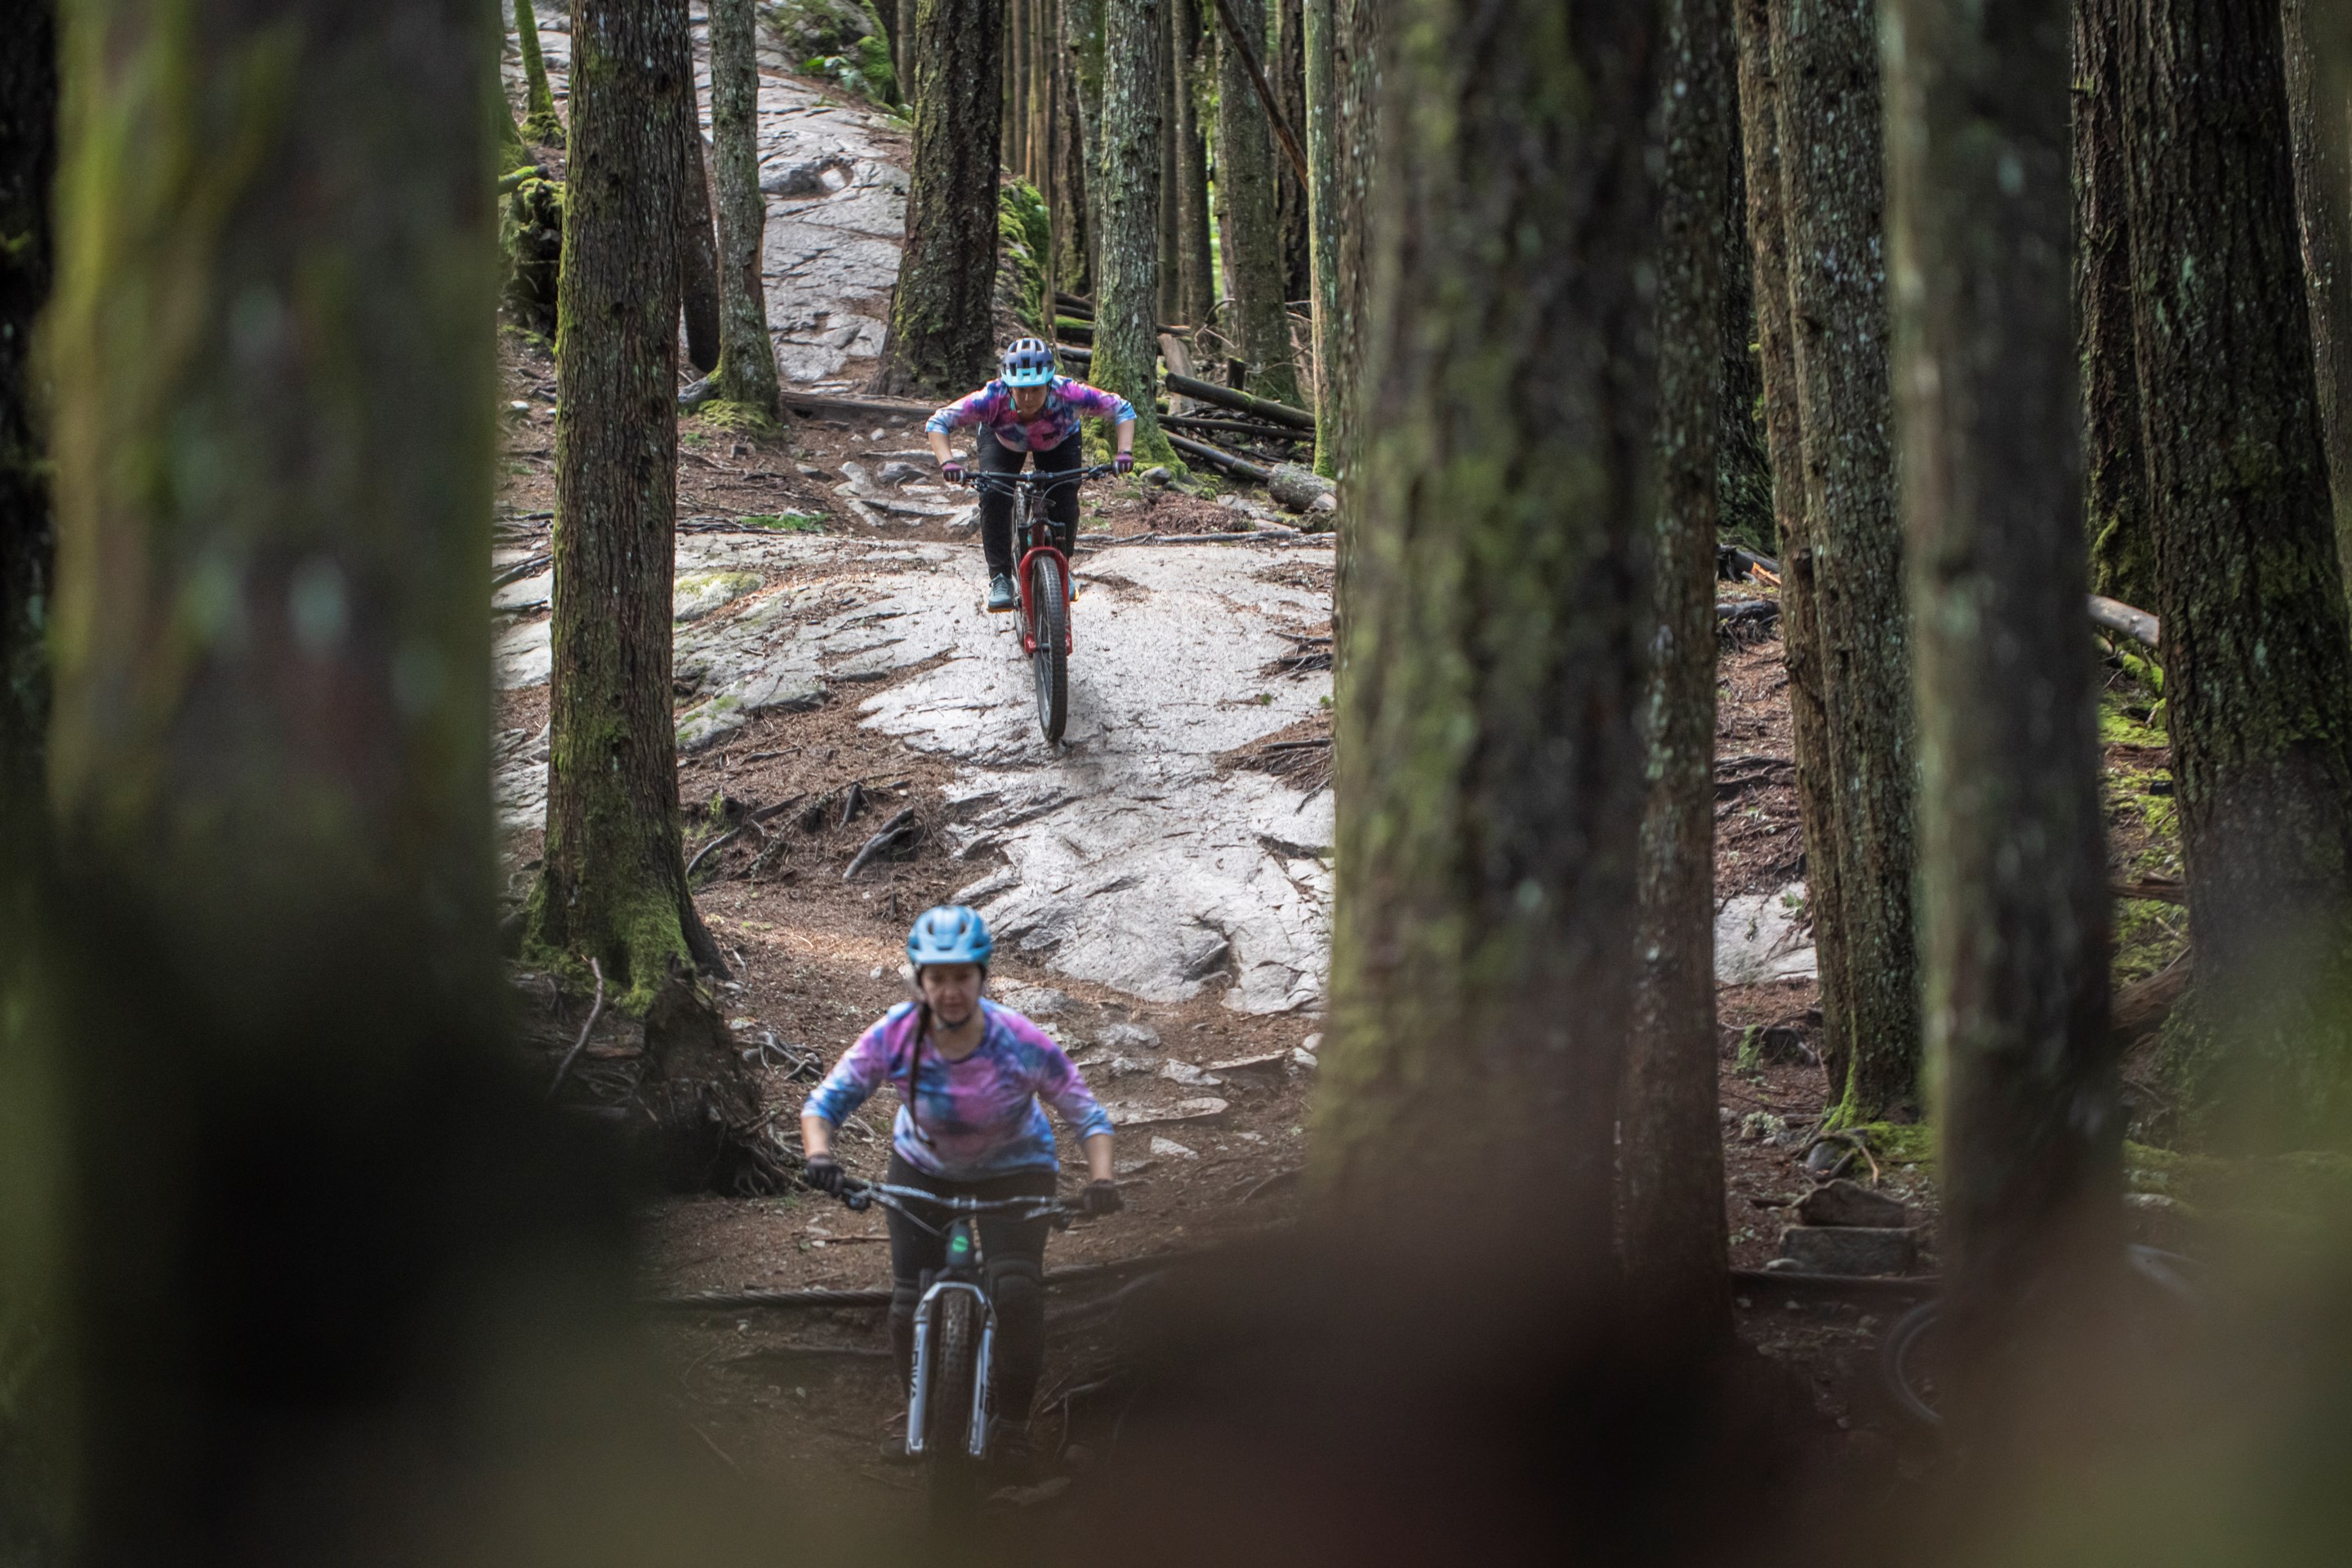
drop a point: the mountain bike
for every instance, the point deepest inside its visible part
(1043, 578)
(948, 1419)
(1910, 1364)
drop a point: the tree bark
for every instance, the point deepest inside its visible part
(1359, 44)
(1490, 777)
(1082, 42)
(1171, 207)
(1743, 465)
(1245, 181)
(614, 887)
(1073, 183)
(1285, 70)
(302, 1179)
(1800, 636)
(747, 356)
(1321, 65)
(2114, 468)
(2258, 672)
(1196, 285)
(540, 123)
(942, 332)
(1675, 1242)
(2012, 859)
(2316, 110)
(698, 244)
(29, 159)
(1126, 336)
(1825, 61)
(910, 44)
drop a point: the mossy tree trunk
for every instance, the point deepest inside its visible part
(1196, 285)
(1675, 1243)
(1082, 48)
(2258, 672)
(614, 884)
(306, 1182)
(942, 330)
(1825, 62)
(1321, 130)
(1071, 198)
(1359, 44)
(1127, 342)
(1171, 207)
(908, 35)
(2316, 109)
(698, 244)
(540, 123)
(1490, 774)
(28, 156)
(1800, 636)
(2114, 469)
(747, 357)
(1259, 326)
(2014, 911)
(1285, 70)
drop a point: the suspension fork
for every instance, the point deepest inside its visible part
(918, 1396)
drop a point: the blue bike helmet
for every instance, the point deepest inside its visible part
(948, 934)
(1029, 362)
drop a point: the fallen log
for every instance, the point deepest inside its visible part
(2141, 1007)
(1225, 460)
(1301, 489)
(1226, 398)
(895, 407)
(1193, 422)
(2117, 616)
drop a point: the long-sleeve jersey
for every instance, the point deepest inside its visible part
(970, 1118)
(1066, 401)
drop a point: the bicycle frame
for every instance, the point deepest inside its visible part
(1033, 531)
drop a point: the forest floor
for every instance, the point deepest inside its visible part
(1160, 884)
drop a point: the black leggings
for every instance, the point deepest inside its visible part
(996, 506)
(1014, 1251)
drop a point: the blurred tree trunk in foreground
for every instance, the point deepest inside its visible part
(2114, 468)
(2258, 673)
(2012, 856)
(29, 157)
(747, 356)
(1259, 327)
(329, 1259)
(697, 247)
(1801, 635)
(1490, 777)
(1127, 293)
(2316, 106)
(1674, 1243)
(613, 889)
(942, 338)
(1832, 156)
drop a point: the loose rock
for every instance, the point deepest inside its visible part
(1844, 1203)
(1849, 1249)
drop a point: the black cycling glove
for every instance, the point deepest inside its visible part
(824, 1174)
(1100, 1199)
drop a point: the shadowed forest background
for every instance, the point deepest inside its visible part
(1721, 708)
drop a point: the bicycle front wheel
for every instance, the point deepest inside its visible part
(1049, 608)
(953, 1476)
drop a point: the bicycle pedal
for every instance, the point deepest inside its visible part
(999, 609)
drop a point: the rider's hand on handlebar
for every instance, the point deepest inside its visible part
(824, 1173)
(1100, 1198)
(951, 471)
(1124, 462)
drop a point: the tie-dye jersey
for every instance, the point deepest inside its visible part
(1066, 401)
(979, 1115)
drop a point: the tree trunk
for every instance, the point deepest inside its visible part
(303, 1179)
(1008, 129)
(1072, 199)
(1286, 68)
(1127, 338)
(1171, 207)
(909, 48)
(747, 357)
(698, 246)
(2258, 673)
(1800, 636)
(29, 158)
(2012, 854)
(1358, 53)
(2114, 469)
(540, 121)
(1260, 328)
(1490, 776)
(1323, 214)
(1081, 41)
(1743, 465)
(1825, 60)
(942, 330)
(2316, 106)
(614, 887)
(1675, 1243)
(1196, 286)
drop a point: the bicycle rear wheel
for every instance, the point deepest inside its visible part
(952, 1478)
(1908, 1364)
(1049, 607)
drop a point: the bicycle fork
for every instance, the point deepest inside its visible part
(919, 1398)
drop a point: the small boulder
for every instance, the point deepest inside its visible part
(1850, 1249)
(1169, 1149)
(1844, 1203)
(1188, 1074)
(1128, 1037)
(896, 473)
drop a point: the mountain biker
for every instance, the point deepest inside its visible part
(1030, 409)
(969, 1074)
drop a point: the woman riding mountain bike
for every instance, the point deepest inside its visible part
(969, 1075)
(1027, 410)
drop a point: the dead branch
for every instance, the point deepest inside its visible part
(893, 830)
(587, 1028)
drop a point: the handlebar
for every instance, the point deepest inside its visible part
(858, 1196)
(975, 479)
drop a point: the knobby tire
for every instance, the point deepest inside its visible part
(953, 1479)
(1050, 663)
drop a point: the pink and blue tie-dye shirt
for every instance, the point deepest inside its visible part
(1066, 401)
(977, 1117)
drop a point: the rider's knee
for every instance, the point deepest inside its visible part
(1018, 1285)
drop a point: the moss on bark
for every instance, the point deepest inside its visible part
(747, 356)
(1127, 342)
(540, 123)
